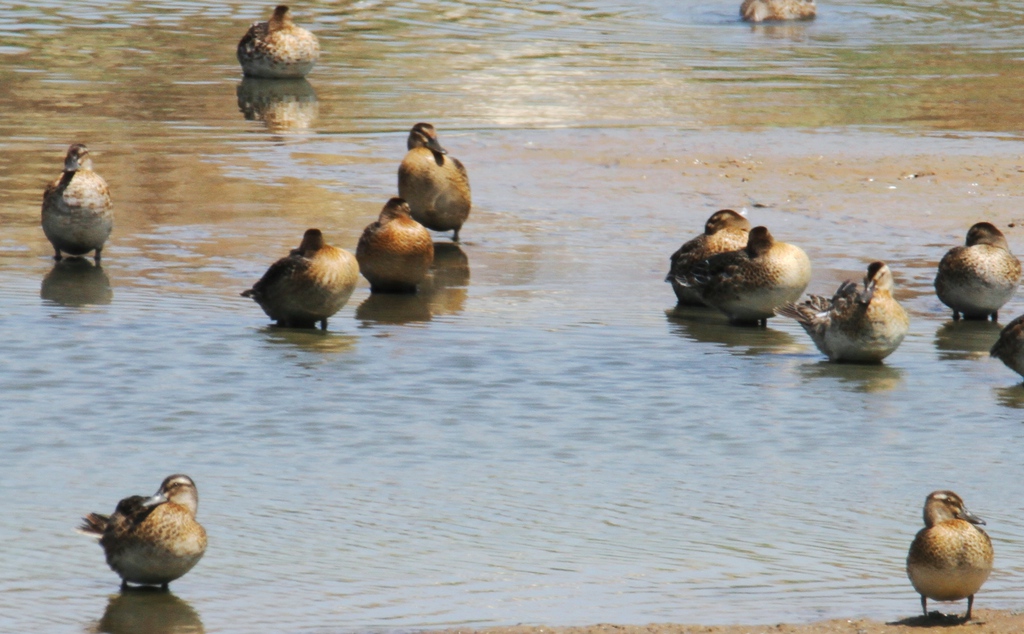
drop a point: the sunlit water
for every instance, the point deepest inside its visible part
(538, 436)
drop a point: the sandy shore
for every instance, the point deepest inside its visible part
(984, 622)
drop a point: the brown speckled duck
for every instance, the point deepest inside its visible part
(950, 558)
(395, 252)
(750, 283)
(77, 213)
(278, 48)
(1009, 348)
(979, 277)
(774, 10)
(724, 231)
(862, 325)
(155, 540)
(435, 185)
(309, 285)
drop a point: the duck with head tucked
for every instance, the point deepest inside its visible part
(861, 325)
(950, 558)
(154, 540)
(724, 231)
(775, 10)
(395, 252)
(309, 285)
(979, 277)
(434, 184)
(278, 48)
(750, 283)
(77, 213)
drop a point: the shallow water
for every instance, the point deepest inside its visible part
(539, 436)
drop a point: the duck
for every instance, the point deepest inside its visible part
(726, 230)
(154, 540)
(774, 10)
(1009, 348)
(859, 325)
(950, 558)
(395, 252)
(309, 285)
(750, 283)
(77, 213)
(977, 279)
(278, 48)
(434, 184)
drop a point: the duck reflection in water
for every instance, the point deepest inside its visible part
(442, 292)
(966, 339)
(76, 281)
(151, 610)
(708, 325)
(313, 340)
(283, 105)
(853, 377)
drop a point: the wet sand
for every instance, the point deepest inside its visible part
(984, 622)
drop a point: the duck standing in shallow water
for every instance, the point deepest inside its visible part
(155, 540)
(750, 283)
(309, 285)
(950, 558)
(979, 277)
(435, 185)
(773, 10)
(77, 213)
(278, 48)
(724, 231)
(859, 325)
(395, 252)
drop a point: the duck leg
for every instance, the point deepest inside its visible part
(970, 604)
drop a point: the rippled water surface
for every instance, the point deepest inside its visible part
(538, 436)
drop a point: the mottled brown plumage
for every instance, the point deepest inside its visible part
(859, 325)
(435, 185)
(1009, 348)
(278, 48)
(77, 213)
(950, 558)
(395, 252)
(155, 540)
(978, 278)
(750, 283)
(309, 285)
(724, 231)
(774, 10)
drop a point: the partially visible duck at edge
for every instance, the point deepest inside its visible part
(1009, 348)
(776, 10)
(77, 213)
(278, 48)
(724, 231)
(750, 283)
(154, 540)
(978, 278)
(395, 252)
(860, 325)
(308, 286)
(435, 185)
(950, 558)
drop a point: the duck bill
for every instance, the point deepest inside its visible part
(868, 292)
(156, 500)
(970, 517)
(435, 146)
